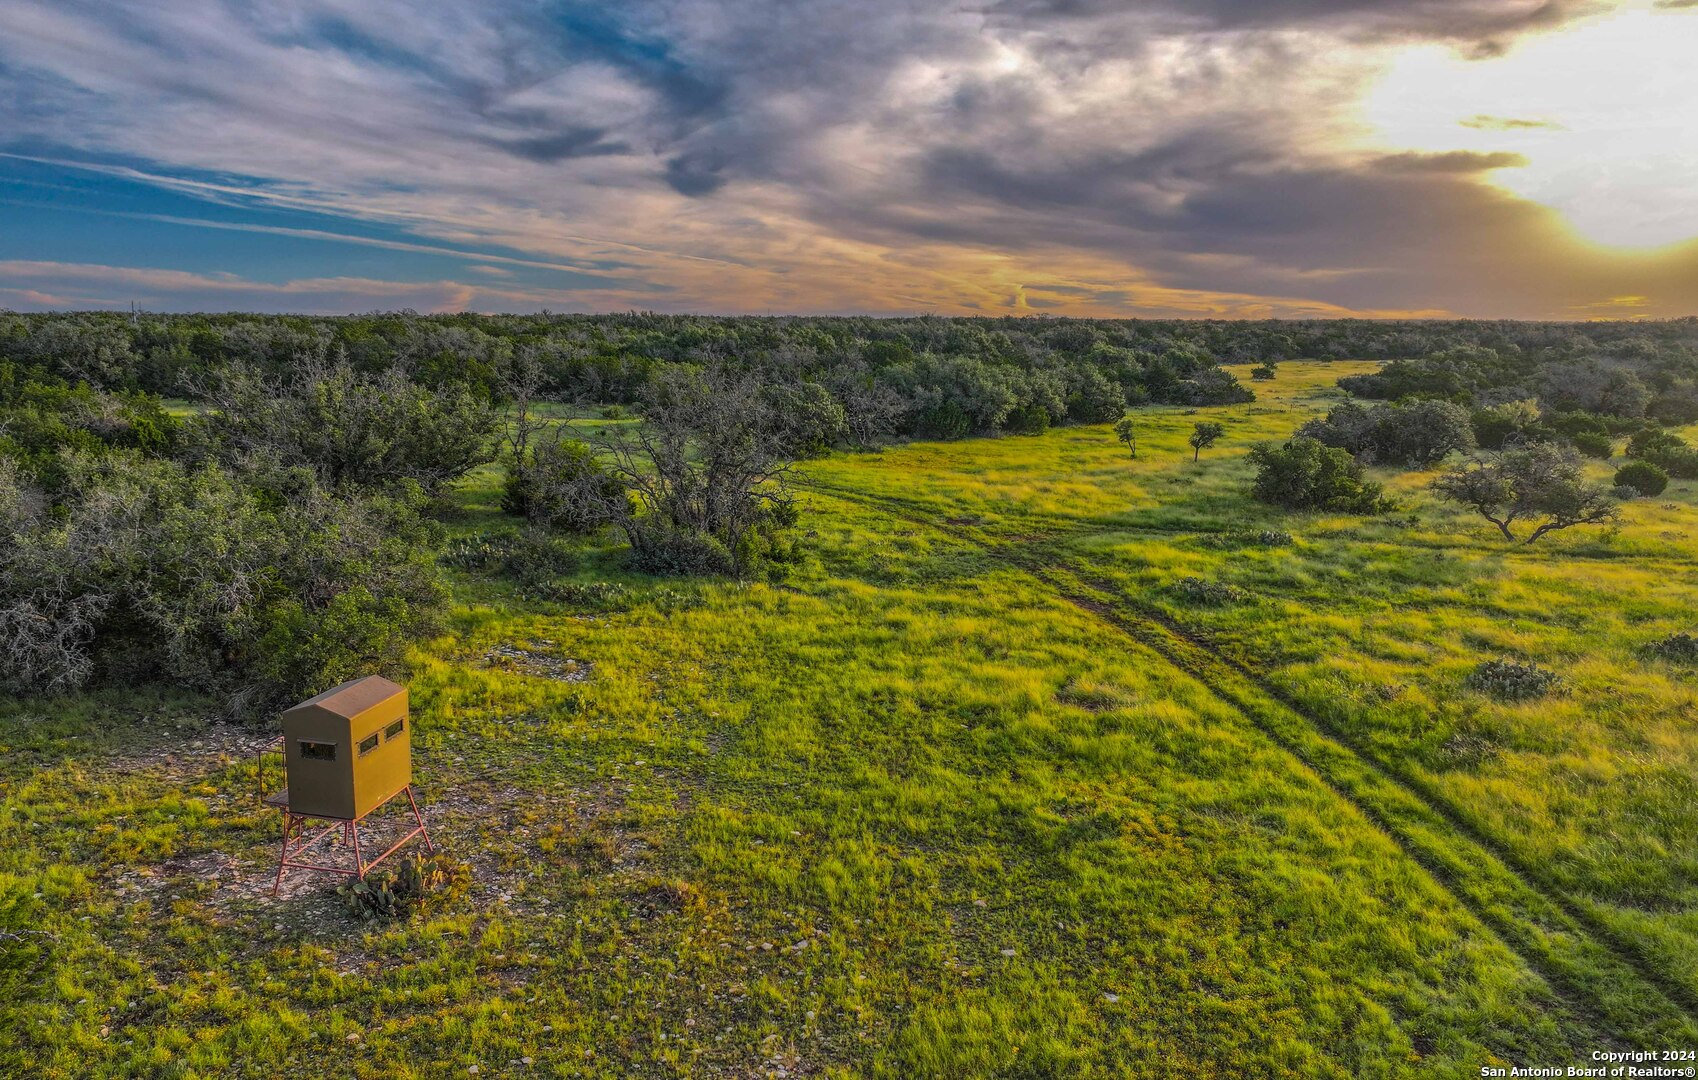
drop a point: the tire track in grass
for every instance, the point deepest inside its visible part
(1606, 982)
(1580, 961)
(1216, 664)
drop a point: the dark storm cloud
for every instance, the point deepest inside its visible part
(566, 33)
(697, 173)
(580, 142)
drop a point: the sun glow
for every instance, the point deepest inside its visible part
(1605, 112)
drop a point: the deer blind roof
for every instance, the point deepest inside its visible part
(353, 697)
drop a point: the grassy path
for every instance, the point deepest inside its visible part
(1606, 979)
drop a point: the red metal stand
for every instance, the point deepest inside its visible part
(296, 841)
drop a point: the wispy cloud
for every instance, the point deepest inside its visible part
(1508, 123)
(93, 284)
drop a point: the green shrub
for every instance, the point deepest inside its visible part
(1496, 425)
(770, 547)
(1511, 680)
(1678, 404)
(1681, 463)
(1643, 477)
(593, 595)
(1650, 441)
(1594, 445)
(811, 420)
(531, 555)
(150, 568)
(1679, 648)
(482, 551)
(353, 429)
(661, 548)
(418, 883)
(1454, 373)
(1571, 424)
(1412, 433)
(41, 418)
(373, 897)
(706, 489)
(1240, 538)
(945, 420)
(615, 412)
(1094, 398)
(1027, 420)
(1667, 451)
(1305, 475)
(537, 555)
(561, 486)
(1213, 386)
(1204, 593)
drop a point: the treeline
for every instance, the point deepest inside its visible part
(1630, 379)
(607, 357)
(1469, 397)
(930, 377)
(1524, 417)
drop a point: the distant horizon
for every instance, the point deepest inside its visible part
(1527, 159)
(891, 316)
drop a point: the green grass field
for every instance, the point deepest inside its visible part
(974, 791)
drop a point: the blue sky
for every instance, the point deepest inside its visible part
(1159, 157)
(60, 209)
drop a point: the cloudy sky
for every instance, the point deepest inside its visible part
(1532, 158)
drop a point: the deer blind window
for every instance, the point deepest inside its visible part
(317, 751)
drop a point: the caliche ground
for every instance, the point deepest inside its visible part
(1048, 761)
